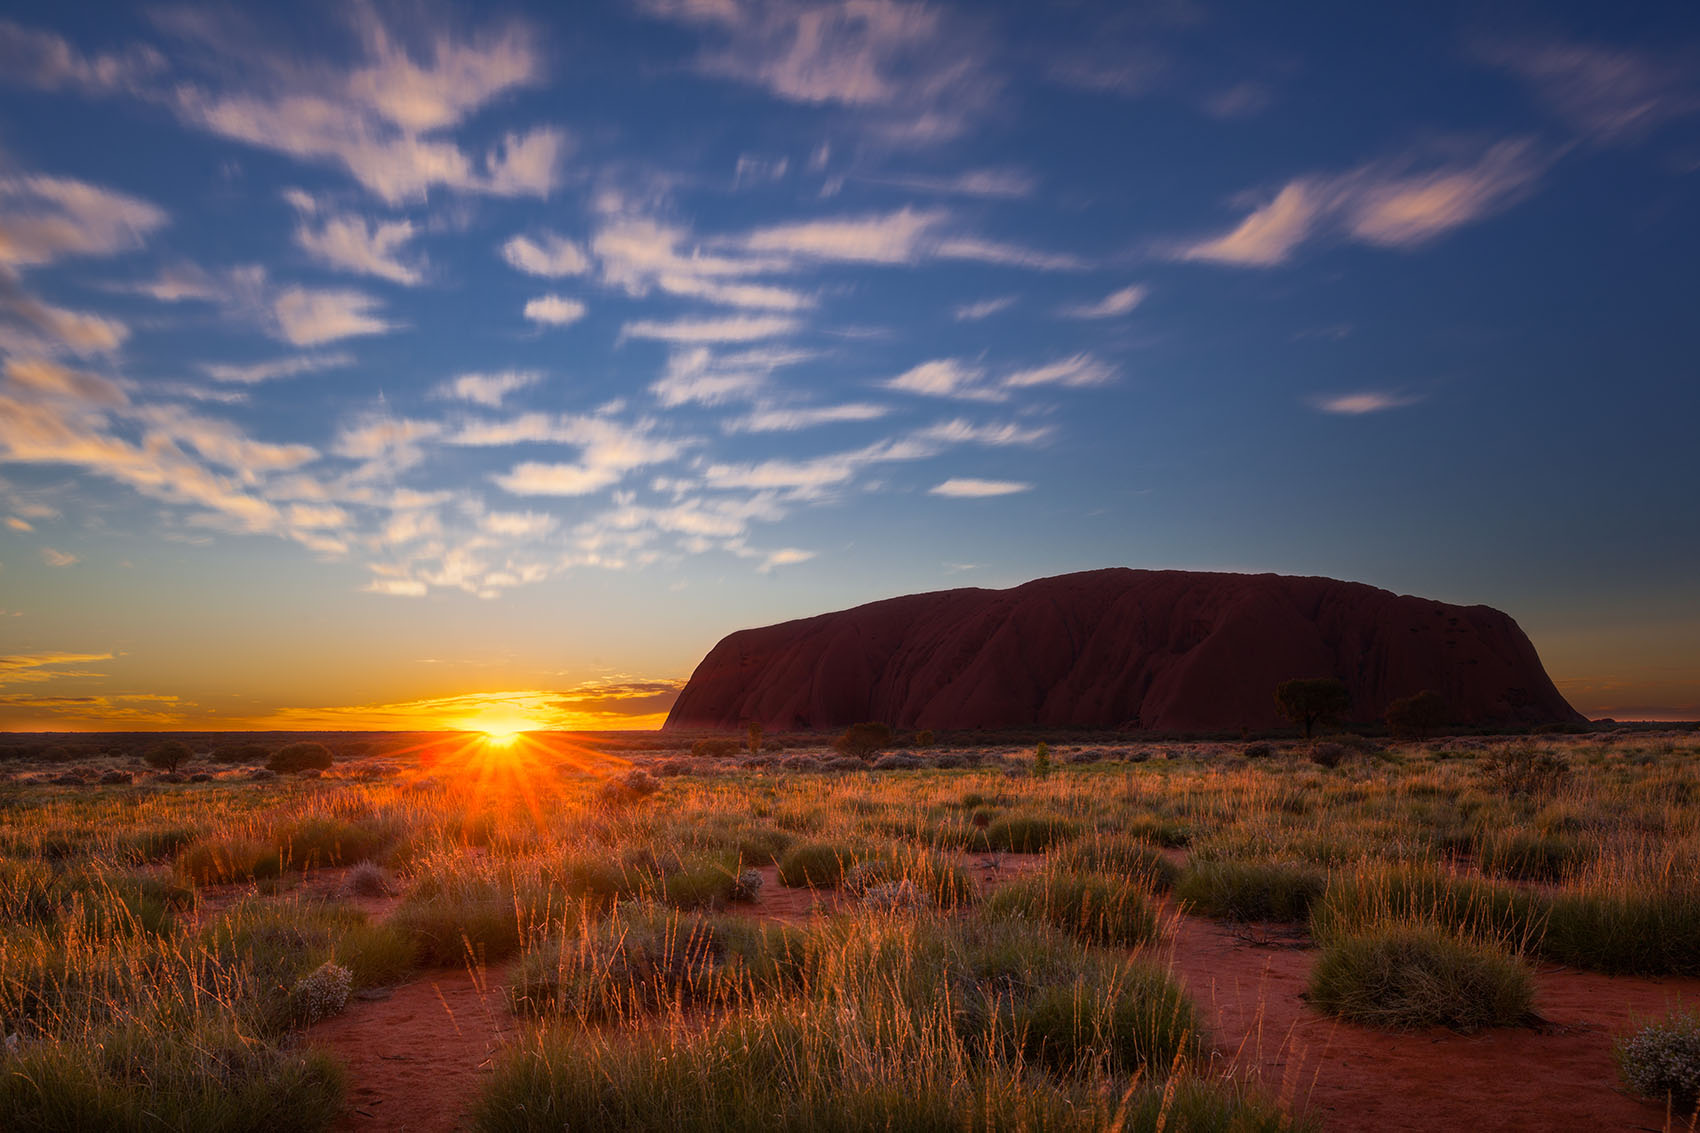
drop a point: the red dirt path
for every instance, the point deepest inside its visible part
(415, 1058)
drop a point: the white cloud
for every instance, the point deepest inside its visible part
(176, 284)
(397, 587)
(1368, 401)
(968, 488)
(487, 389)
(790, 420)
(49, 379)
(1078, 370)
(255, 372)
(738, 328)
(1400, 204)
(46, 61)
(550, 256)
(55, 558)
(29, 326)
(785, 556)
(1010, 184)
(1005, 254)
(985, 308)
(608, 450)
(304, 316)
(909, 72)
(44, 219)
(891, 238)
(945, 377)
(1112, 306)
(354, 244)
(554, 310)
(640, 255)
(385, 120)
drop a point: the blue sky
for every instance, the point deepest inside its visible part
(370, 364)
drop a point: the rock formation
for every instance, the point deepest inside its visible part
(1178, 651)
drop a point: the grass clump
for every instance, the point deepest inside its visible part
(1027, 833)
(1527, 856)
(1414, 975)
(1627, 931)
(1095, 907)
(1251, 891)
(816, 865)
(1121, 856)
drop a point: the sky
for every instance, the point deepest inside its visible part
(399, 366)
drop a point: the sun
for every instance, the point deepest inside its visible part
(501, 736)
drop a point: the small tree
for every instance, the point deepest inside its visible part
(169, 755)
(1417, 715)
(1042, 760)
(862, 740)
(1308, 701)
(755, 737)
(300, 757)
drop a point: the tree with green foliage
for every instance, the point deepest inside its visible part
(169, 755)
(1417, 715)
(300, 757)
(1312, 700)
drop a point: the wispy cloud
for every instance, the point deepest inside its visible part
(548, 255)
(1004, 184)
(964, 487)
(46, 61)
(307, 316)
(487, 389)
(353, 243)
(1608, 94)
(909, 73)
(1367, 401)
(35, 667)
(1074, 371)
(946, 377)
(554, 310)
(253, 373)
(738, 328)
(388, 119)
(44, 219)
(984, 308)
(1401, 203)
(57, 558)
(785, 420)
(1112, 306)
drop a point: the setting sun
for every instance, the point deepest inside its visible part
(501, 737)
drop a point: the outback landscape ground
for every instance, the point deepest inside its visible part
(655, 931)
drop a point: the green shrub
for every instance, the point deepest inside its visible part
(225, 861)
(1160, 831)
(1627, 931)
(1661, 1061)
(1028, 833)
(816, 865)
(1527, 856)
(313, 842)
(1096, 908)
(1406, 975)
(1121, 856)
(1251, 891)
(299, 757)
(700, 885)
(1122, 1018)
(1466, 906)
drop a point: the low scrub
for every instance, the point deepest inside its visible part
(1095, 907)
(815, 865)
(1122, 856)
(1027, 833)
(1661, 1061)
(1251, 891)
(1413, 975)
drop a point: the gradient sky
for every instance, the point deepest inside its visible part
(402, 366)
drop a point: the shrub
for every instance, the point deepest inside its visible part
(1094, 907)
(747, 886)
(169, 755)
(313, 842)
(448, 929)
(1521, 770)
(368, 880)
(1408, 975)
(1262, 749)
(240, 753)
(1629, 931)
(1251, 891)
(1527, 856)
(622, 966)
(225, 861)
(899, 761)
(628, 788)
(1028, 833)
(706, 885)
(715, 748)
(1308, 702)
(815, 864)
(924, 738)
(1158, 830)
(299, 757)
(1661, 1061)
(862, 740)
(321, 993)
(1466, 906)
(1416, 716)
(1326, 753)
(1120, 856)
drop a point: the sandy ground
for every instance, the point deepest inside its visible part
(415, 1057)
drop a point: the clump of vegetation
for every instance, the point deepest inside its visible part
(321, 993)
(298, 757)
(1414, 975)
(1093, 906)
(715, 748)
(862, 741)
(169, 755)
(1251, 891)
(1661, 1061)
(817, 865)
(1417, 716)
(1312, 701)
(1523, 770)
(1027, 833)
(1121, 856)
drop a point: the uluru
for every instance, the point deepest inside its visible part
(1159, 650)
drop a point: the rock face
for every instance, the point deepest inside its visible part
(1175, 651)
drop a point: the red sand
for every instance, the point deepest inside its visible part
(415, 1058)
